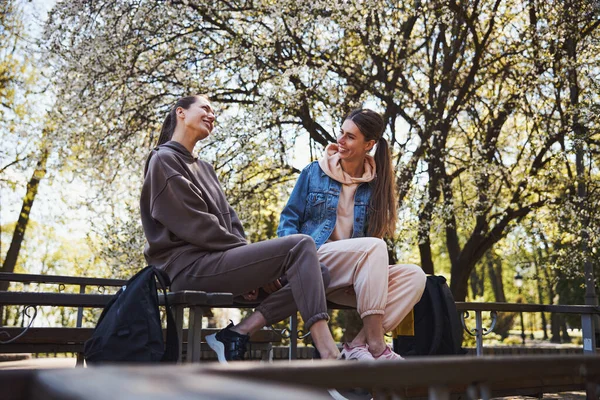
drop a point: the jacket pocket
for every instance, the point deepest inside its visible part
(315, 204)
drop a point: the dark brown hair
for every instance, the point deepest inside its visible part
(170, 122)
(383, 214)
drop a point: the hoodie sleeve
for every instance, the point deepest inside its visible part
(292, 216)
(236, 224)
(181, 208)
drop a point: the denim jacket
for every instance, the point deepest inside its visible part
(312, 206)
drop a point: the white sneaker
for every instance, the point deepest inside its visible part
(388, 354)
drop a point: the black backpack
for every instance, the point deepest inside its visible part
(129, 328)
(435, 327)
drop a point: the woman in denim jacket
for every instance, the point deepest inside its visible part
(347, 202)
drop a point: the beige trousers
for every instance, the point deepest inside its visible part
(379, 288)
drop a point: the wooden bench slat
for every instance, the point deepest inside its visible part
(424, 371)
(47, 335)
(35, 348)
(531, 388)
(182, 297)
(518, 307)
(197, 298)
(168, 382)
(101, 300)
(57, 279)
(80, 335)
(54, 299)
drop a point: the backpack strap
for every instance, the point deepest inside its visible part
(172, 346)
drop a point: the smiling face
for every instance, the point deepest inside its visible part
(198, 119)
(352, 145)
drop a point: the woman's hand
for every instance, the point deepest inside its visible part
(251, 295)
(272, 287)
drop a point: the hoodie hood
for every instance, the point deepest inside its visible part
(179, 149)
(330, 164)
(173, 146)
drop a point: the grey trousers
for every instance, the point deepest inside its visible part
(252, 266)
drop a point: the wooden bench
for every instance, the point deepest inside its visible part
(439, 378)
(195, 301)
(436, 378)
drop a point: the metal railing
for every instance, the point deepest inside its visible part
(479, 331)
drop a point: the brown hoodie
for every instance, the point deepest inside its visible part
(184, 211)
(330, 164)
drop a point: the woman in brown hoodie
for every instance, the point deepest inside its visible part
(196, 237)
(346, 201)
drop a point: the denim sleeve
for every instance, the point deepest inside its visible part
(292, 215)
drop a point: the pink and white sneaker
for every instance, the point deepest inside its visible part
(388, 354)
(359, 353)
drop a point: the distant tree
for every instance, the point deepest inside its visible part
(49, 250)
(26, 140)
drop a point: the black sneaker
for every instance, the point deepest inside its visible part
(229, 345)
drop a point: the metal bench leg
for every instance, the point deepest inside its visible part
(439, 393)
(479, 333)
(293, 336)
(80, 309)
(178, 314)
(485, 391)
(589, 336)
(194, 348)
(80, 358)
(592, 390)
(267, 353)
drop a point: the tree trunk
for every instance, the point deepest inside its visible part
(555, 324)
(425, 217)
(19, 233)
(541, 295)
(460, 271)
(434, 167)
(505, 320)
(474, 281)
(558, 320)
(425, 252)
(565, 334)
(580, 133)
(555, 336)
(475, 249)
(495, 274)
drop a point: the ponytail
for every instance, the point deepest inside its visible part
(170, 122)
(166, 132)
(384, 215)
(382, 207)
